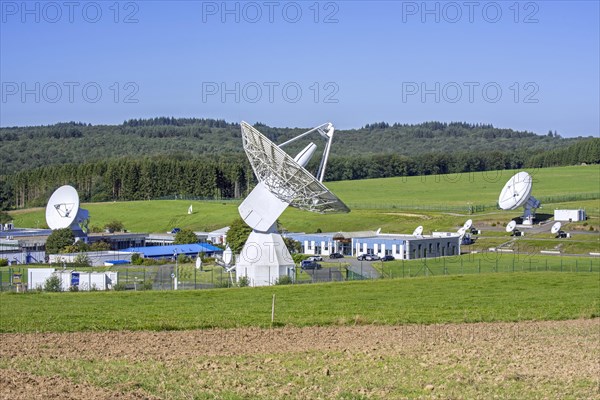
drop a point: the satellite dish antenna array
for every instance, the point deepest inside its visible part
(62, 211)
(517, 193)
(282, 181)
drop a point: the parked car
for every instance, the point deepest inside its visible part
(368, 257)
(315, 258)
(336, 255)
(387, 258)
(307, 264)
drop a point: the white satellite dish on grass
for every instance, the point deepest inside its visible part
(510, 227)
(190, 209)
(282, 182)
(468, 224)
(462, 231)
(418, 231)
(556, 227)
(517, 193)
(62, 211)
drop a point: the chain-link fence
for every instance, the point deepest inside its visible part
(188, 277)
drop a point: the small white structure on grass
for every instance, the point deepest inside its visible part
(85, 281)
(570, 215)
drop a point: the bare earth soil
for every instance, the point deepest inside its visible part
(556, 359)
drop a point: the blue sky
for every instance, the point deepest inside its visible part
(522, 65)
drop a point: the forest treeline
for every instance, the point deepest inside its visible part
(230, 176)
(37, 146)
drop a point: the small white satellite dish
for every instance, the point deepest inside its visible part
(190, 209)
(517, 193)
(556, 227)
(227, 256)
(62, 210)
(378, 231)
(462, 231)
(418, 231)
(198, 263)
(468, 224)
(511, 226)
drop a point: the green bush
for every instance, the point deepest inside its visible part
(136, 259)
(73, 288)
(298, 258)
(149, 261)
(146, 285)
(182, 259)
(284, 280)
(118, 287)
(3, 262)
(244, 281)
(53, 284)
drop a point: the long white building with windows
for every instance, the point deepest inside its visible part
(403, 247)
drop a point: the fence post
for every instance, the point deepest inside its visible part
(561, 264)
(590, 266)
(546, 264)
(195, 272)
(496, 265)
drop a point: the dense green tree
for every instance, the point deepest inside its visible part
(237, 235)
(114, 226)
(58, 240)
(185, 236)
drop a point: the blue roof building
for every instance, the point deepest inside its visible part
(170, 250)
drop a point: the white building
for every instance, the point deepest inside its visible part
(36, 278)
(570, 215)
(406, 247)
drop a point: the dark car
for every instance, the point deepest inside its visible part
(368, 257)
(307, 264)
(387, 258)
(336, 255)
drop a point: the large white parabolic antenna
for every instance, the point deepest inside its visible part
(63, 211)
(517, 193)
(282, 181)
(418, 231)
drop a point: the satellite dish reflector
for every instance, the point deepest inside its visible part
(378, 231)
(227, 256)
(62, 210)
(511, 226)
(190, 209)
(556, 227)
(198, 263)
(462, 231)
(517, 193)
(468, 224)
(284, 177)
(418, 231)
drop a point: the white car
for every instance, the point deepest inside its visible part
(315, 258)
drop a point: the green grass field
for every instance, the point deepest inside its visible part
(375, 203)
(468, 298)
